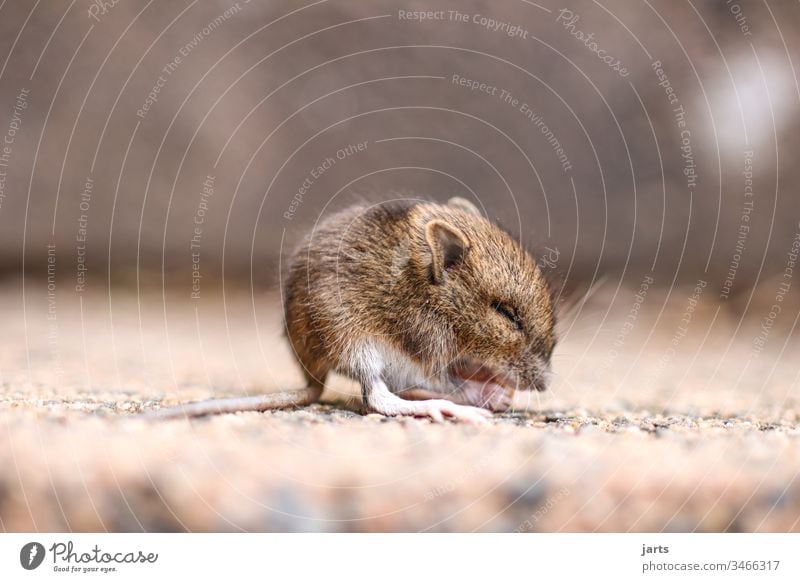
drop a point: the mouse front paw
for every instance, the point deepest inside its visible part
(495, 397)
(438, 410)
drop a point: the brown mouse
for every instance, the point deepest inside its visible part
(432, 308)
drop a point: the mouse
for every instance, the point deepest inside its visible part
(435, 310)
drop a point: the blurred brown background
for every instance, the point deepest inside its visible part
(258, 94)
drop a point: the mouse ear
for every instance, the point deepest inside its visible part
(448, 246)
(465, 205)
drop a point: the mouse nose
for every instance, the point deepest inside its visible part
(540, 383)
(536, 382)
(536, 374)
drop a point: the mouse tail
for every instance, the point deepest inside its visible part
(257, 403)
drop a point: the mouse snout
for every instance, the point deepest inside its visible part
(539, 384)
(534, 374)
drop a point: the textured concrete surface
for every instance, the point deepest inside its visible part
(666, 424)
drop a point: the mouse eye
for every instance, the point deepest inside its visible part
(509, 313)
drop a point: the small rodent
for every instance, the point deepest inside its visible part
(432, 308)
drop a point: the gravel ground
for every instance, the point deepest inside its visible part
(655, 422)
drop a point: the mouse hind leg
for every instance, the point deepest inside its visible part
(310, 354)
